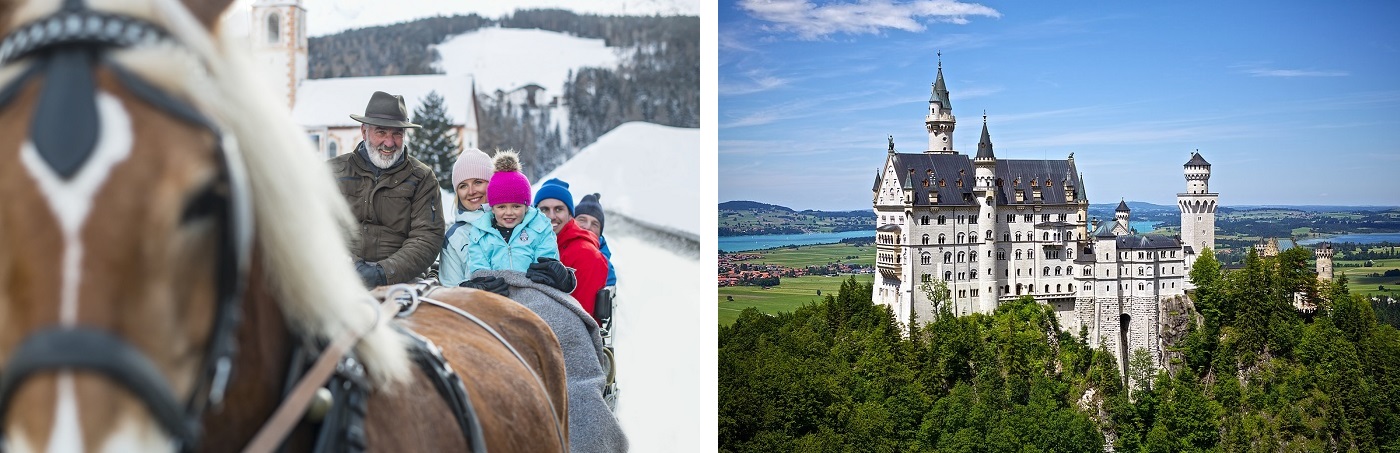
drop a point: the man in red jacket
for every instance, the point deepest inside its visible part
(578, 248)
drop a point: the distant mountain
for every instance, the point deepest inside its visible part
(1136, 206)
(744, 205)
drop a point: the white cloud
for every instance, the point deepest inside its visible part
(1263, 70)
(758, 81)
(811, 21)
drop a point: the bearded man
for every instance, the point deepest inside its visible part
(392, 195)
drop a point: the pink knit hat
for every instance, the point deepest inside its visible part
(508, 184)
(471, 164)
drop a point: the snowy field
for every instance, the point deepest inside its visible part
(657, 341)
(508, 58)
(645, 171)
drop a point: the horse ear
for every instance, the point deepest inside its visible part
(207, 11)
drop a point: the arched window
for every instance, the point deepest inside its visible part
(1045, 236)
(942, 238)
(1047, 271)
(925, 238)
(948, 275)
(1001, 254)
(972, 257)
(1018, 254)
(962, 237)
(942, 220)
(925, 259)
(1006, 237)
(962, 256)
(972, 274)
(1047, 288)
(1140, 287)
(989, 235)
(1139, 271)
(1057, 288)
(1057, 270)
(1018, 235)
(274, 28)
(1086, 286)
(332, 148)
(947, 257)
(924, 220)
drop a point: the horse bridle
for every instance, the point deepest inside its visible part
(65, 47)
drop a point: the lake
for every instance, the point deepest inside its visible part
(1360, 238)
(768, 241)
(1143, 226)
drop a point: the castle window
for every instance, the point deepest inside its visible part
(947, 257)
(972, 219)
(972, 274)
(961, 236)
(332, 148)
(1047, 271)
(1139, 255)
(989, 235)
(962, 256)
(1035, 194)
(924, 220)
(1018, 235)
(925, 239)
(1045, 236)
(1086, 286)
(1139, 270)
(1006, 237)
(1020, 195)
(942, 237)
(941, 221)
(1057, 287)
(274, 28)
(924, 259)
(925, 278)
(1062, 217)
(1047, 288)
(1018, 256)
(1140, 288)
(1001, 254)
(948, 275)
(972, 257)
(1057, 270)
(1029, 218)
(1011, 218)
(962, 275)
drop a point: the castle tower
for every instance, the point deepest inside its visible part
(1121, 214)
(278, 32)
(1323, 252)
(1197, 206)
(940, 120)
(985, 191)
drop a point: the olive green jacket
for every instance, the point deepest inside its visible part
(398, 210)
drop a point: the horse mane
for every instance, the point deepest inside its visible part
(300, 217)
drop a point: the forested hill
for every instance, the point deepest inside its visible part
(1253, 375)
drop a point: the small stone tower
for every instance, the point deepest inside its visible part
(278, 32)
(940, 120)
(1323, 252)
(1121, 216)
(1197, 206)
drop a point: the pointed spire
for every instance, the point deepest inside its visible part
(940, 90)
(909, 183)
(1122, 206)
(984, 146)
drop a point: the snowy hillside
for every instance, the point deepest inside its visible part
(507, 58)
(644, 171)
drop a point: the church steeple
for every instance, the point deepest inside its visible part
(278, 34)
(984, 146)
(940, 120)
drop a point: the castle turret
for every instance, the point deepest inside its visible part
(1197, 206)
(939, 120)
(1120, 218)
(985, 191)
(1323, 252)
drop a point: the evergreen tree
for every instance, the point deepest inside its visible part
(436, 143)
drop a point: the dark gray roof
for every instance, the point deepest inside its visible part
(1105, 230)
(888, 228)
(1053, 225)
(940, 91)
(1122, 206)
(1188, 250)
(1196, 161)
(984, 146)
(950, 168)
(876, 188)
(1147, 241)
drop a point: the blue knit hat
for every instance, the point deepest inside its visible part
(558, 190)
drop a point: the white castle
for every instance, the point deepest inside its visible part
(997, 229)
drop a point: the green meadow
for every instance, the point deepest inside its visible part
(786, 297)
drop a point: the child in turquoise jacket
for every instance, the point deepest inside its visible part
(513, 235)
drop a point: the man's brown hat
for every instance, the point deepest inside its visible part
(385, 110)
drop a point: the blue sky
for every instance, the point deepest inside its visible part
(1291, 102)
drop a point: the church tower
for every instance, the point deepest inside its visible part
(940, 121)
(1197, 206)
(1323, 252)
(278, 32)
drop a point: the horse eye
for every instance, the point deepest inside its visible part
(209, 201)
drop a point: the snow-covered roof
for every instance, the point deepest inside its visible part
(509, 58)
(329, 102)
(644, 171)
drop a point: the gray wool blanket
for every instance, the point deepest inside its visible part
(592, 427)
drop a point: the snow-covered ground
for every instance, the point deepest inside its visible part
(644, 171)
(508, 58)
(657, 343)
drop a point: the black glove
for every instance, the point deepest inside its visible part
(493, 284)
(370, 273)
(551, 272)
